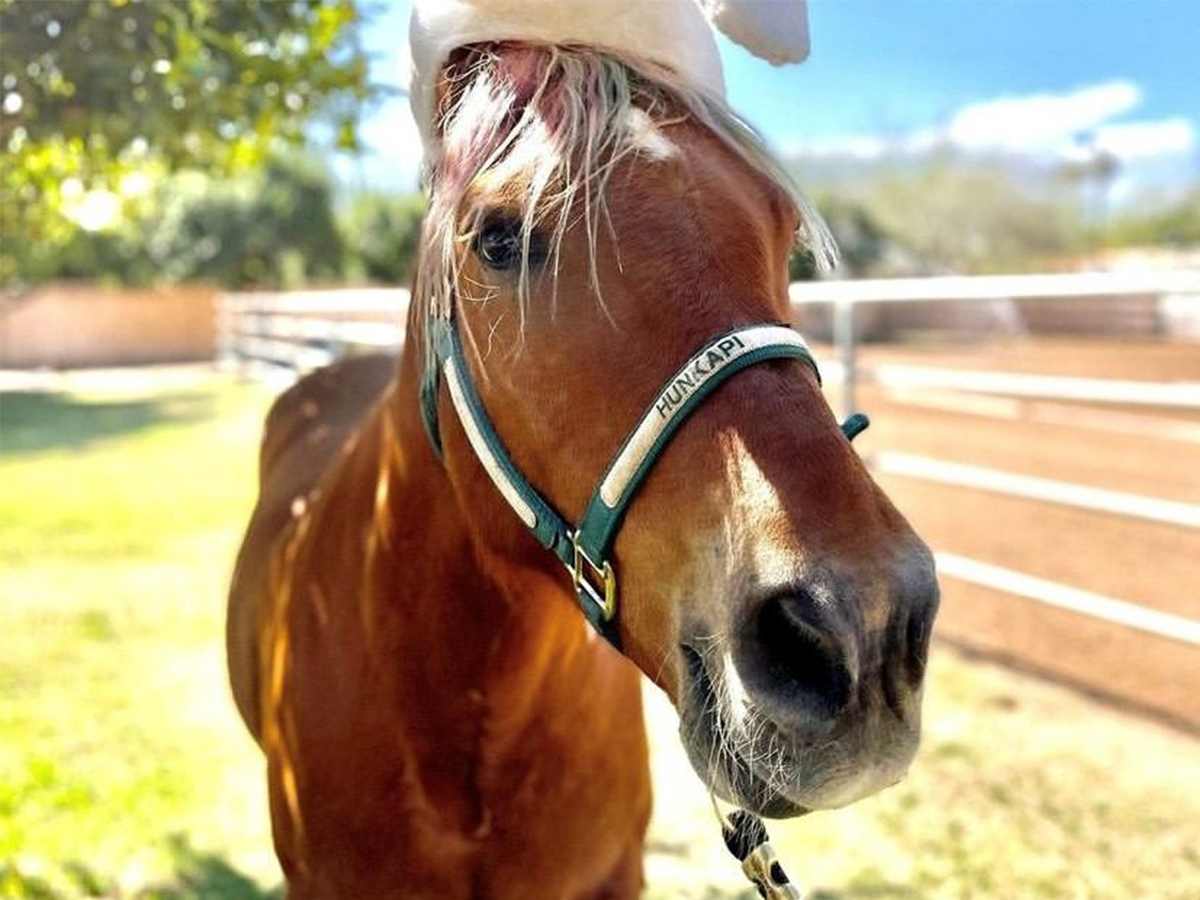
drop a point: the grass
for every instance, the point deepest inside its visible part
(125, 773)
(123, 768)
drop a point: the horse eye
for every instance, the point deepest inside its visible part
(498, 244)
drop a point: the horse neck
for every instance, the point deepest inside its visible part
(455, 628)
(420, 669)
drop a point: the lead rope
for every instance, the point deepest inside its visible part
(744, 833)
(747, 839)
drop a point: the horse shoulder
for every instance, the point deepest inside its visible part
(305, 428)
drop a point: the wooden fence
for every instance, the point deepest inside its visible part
(290, 333)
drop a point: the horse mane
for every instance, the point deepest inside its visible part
(547, 125)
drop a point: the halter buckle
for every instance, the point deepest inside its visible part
(584, 571)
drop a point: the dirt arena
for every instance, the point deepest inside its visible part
(1143, 450)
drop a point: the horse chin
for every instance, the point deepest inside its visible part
(725, 771)
(736, 782)
(768, 774)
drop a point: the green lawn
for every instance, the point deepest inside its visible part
(123, 768)
(124, 771)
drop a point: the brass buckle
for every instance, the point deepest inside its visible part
(607, 601)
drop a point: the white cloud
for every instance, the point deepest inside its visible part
(1039, 123)
(1141, 140)
(1068, 125)
(861, 147)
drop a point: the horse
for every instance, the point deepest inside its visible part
(447, 694)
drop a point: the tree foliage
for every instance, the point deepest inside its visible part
(1178, 225)
(863, 245)
(955, 215)
(382, 232)
(273, 227)
(95, 92)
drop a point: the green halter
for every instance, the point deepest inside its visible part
(585, 550)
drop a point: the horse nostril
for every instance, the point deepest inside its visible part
(916, 608)
(802, 663)
(916, 641)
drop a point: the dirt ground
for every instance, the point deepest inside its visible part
(1147, 451)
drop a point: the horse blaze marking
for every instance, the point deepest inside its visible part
(695, 374)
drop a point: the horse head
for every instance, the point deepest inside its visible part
(593, 221)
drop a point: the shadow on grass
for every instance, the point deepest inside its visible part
(197, 875)
(206, 876)
(32, 421)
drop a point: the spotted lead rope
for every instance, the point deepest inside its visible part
(746, 837)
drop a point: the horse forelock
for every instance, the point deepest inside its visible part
(542, 129)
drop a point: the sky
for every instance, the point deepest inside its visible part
(1039, 79)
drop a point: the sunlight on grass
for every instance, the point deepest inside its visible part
(124, 771)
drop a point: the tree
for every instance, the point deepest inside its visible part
(1176, 225)
(862, 242)
(382, 232)
(270, 226)
(96, 92)
(975, 216)
(273, 226)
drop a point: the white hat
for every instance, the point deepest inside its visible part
(673, 33)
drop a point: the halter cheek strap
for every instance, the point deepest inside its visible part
(585, 550)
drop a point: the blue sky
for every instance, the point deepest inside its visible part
(1023, 77)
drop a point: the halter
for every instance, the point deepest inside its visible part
(584, 549)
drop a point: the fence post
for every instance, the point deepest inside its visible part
(845, 339)
(227, 355)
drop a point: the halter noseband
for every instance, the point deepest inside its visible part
(585, 550)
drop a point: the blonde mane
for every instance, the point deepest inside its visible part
(549, 124)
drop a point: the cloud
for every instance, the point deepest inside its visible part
(1046, 126)
(1039, 123)
(1140, 140)
(860, 147)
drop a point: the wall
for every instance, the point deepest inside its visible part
(71, 325)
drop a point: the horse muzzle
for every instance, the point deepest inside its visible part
(803, 706)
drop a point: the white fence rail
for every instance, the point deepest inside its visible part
(293, 332)
(1068, 286)
(297, 331)
(1045, 490)
(1085, 603)
(1176, 288)
(899, 378)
